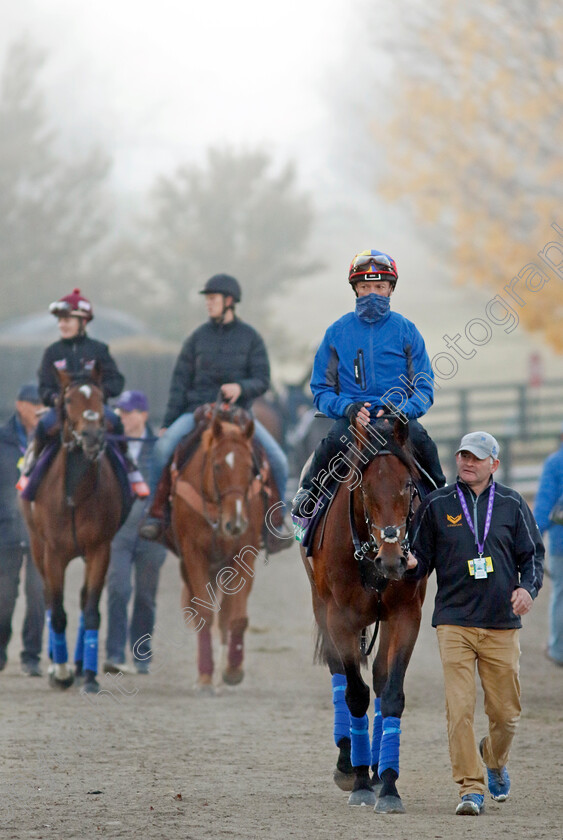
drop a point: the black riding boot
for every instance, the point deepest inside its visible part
(426, 454)
(316, 474)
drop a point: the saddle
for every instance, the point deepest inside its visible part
(46, 458)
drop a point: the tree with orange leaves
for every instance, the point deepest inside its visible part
(475, 143)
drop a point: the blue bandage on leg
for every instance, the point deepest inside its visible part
(359, 736)
(60, 653)
(90, 662)
(341, 712)
(390, 742)
(79, 649)
(377, 730)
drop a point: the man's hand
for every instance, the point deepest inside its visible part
(161, 431)
(521, 601)
(412, 562)
(231, 391)
(358, 412)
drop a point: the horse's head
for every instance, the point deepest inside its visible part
(82, 414)
(229, 470)
(384, 501)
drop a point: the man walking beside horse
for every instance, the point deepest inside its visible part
(486, 548)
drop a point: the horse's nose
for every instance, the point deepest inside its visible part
(235, 527)
(390, 562)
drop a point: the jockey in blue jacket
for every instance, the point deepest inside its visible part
(370, 362)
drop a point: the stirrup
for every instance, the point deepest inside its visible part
(151, 529)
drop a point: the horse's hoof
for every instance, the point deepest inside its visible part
(233, 676)
(389, 805)
(345, 781)
(61, 684)
(362, 797)
(204, 685)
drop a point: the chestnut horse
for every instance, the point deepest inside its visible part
(356, 571)
(76, 512)
(218, 504)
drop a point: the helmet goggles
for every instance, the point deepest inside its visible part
(365, 261)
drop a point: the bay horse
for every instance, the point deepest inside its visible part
(356, 569)
(76, 511)
(218, 504)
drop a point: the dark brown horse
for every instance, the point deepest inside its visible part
(218, 505)
(76, 512)
(356, 571)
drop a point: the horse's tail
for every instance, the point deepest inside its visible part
(323, 648)
(326, 654)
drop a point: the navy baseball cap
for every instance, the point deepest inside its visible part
(29, 393)
(132, 401)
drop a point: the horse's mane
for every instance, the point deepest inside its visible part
(403, 453)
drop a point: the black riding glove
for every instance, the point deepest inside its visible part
(353, 410)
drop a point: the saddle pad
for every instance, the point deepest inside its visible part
(305, 528)
(43, 463)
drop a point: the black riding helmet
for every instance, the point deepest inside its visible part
(223, 284)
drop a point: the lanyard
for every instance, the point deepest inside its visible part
(465, 509)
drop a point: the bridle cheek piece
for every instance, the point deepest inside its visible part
(388, 534)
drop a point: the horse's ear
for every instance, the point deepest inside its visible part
(64, 378)
(216, 427)
(400, 431)
(359, 438)
(96, 374)
(248, 429)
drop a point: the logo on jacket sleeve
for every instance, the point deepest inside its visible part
(453, 520)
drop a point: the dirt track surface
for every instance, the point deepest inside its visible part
(255, 761)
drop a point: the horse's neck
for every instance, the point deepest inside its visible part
(80, 475)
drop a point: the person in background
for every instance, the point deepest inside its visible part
(550, 491)
(481, 539)
(130, 553)
(14, 541)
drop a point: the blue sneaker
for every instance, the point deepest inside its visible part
(471, 805)
(498, 780)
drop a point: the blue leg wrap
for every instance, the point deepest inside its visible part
(390, 742)
(341, 712)
(359, 732)
(90, 662)
(79, 649)
(49, 633)
(377, 730)
(60, 653)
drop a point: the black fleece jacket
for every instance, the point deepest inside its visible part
(74, 355)
(213, 355)
(442, 540)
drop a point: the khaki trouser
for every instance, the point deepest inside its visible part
(497, 653)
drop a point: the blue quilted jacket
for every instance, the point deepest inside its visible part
(361, 362)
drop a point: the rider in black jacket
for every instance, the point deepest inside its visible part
(76, 353)
(223, 356)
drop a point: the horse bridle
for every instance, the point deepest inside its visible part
(77, 440)
(218, 497)
(388, 533)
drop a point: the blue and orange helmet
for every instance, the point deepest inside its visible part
(373, 265)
